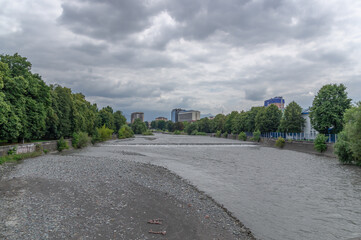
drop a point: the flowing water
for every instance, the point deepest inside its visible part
(278, 194)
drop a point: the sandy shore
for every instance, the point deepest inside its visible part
(72, 196)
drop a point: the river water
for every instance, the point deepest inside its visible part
(278, 194)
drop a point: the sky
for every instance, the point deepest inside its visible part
(209, 55)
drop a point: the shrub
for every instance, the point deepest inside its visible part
(75, 140)
(147, 133)
(45, 151)
(280, 142)
(18, 157)
(12, 150)
(218, 133)
(177, 132)
(95, 137)
(104, 133)
(343, 149)
(83, 139)
(242, 136)
(194, 132)
(256, 136)
(225, 135)
(62, 144)
(320, 143)
(125, 132)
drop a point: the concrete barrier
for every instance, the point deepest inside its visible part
(50, 146)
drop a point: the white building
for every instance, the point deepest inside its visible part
(189, 116)
(308, 131)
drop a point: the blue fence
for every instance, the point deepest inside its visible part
(331, 138)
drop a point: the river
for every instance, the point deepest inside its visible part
(278, 194)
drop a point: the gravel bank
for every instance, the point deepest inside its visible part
(80, 196)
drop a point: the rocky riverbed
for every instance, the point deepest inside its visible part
(80, 195)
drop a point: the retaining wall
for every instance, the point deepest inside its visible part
(50, 146)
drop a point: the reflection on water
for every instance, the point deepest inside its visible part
(278, 194)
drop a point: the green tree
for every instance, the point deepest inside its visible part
(239, 123)
(138, 126)
(160, 124)
(268, 119)
(169, 125)
(106, 117)
(292, 120)
(204, 125)
(119, 120)
(178, 126)
(250, 118)
(328, 108)
(217, 123)
(153, 125)
(229, 122)
(348, 146)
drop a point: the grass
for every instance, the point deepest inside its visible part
(18, 157)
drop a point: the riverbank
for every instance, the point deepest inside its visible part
(81, 195)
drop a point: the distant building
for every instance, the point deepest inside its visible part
(308, 131)
(189, 116)
(174, 114)
(161, 118)
(136, 115)
(278, 101)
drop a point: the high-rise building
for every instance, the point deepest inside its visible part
(136, 115)
(189, 116)
(278, 101)
(174, 114)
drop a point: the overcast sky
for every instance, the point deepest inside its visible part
(212, 56)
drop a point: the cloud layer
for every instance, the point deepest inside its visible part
(209, 55)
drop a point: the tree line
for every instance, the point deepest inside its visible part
(30, 109)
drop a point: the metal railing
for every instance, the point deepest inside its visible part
(331, 138)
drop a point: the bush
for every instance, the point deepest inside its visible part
(256, 136)
(320, 143)
(62, 144)
(75, 140)
(104, 133)
(125, 132)
(12, 150)
(194, 132)
(147, 133)
(218, 133)
(18, 157)
(83, 139)
(38, 148)
(177, 132)
(45, 151)
(225, 135)
(95, 137)
(280, 142)
(343, 149)
(242, 136)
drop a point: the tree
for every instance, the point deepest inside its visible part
(138, 126)
(169, 125)
(204, 125)
(178, 126)
(229, 122)
(161, 124)
(217, 123)
(292, 120)
(268, 119)
(250, 118)
(119, 120)
(348, 146)
(328, 108)
(239, 123)
(106, 117)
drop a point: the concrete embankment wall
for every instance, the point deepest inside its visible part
(299, 146)
(31, 147)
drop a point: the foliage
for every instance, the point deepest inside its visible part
(242, 136)
(191, 128)
(328, 108)
(194, 132)
(147, 133)
(169, 125)
(177, 132)
(18, 157)
(12, 151)
(218, 123)
(75, 140)
(38, 148)
(256, 136)
(229, 121)
(83, 140)
(292, 120)
(138, 126)
(280, 142)
(201, 134)
(219, 133)
(104, 133)
(224, 135)
(268, 118)
(106, 117)
(320, 143)
(62, 144)
(348, 146)
(119, 120)
(178, 126)
(125, 132)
